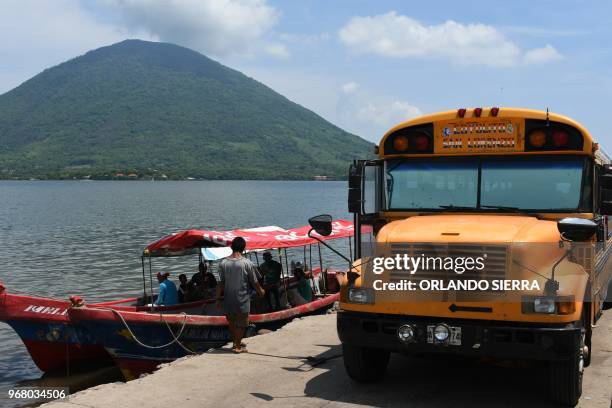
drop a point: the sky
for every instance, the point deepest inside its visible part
(362, 65)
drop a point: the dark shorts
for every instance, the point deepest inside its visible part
(240, 320)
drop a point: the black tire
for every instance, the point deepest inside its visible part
(566, 378)
(588, 342)
(588, 334)
(365, 364)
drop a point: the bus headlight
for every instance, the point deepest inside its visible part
(406, 333)
(361, 295)
(544, 305)
(561, 305)
(441, 333)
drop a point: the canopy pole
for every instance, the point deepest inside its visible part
(287, 262)
(257, 259)
(151, 280)
(280, 256)
(314, 286)
(310, 256)
(144, 280)
(322, 272)
(350, 248)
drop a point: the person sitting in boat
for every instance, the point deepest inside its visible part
(204, 282)
(303, 284)
(186, 291)
(210, 282)
(197, 279)
(300, 293)
(167, 291)
(271, 272)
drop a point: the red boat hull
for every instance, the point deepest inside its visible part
(54, 357)
(201, 332)
(52, 341)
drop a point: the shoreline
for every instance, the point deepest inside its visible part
(166, 180)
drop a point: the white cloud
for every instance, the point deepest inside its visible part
(541, 55)
(278, 50)
(219, 27)
(399, 36)
(368, 115)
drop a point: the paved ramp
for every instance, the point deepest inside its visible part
(300, 366)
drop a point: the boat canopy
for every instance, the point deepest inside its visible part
(192, 241)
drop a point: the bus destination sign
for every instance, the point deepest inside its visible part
(489, 136)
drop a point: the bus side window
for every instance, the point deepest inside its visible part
(607, 221)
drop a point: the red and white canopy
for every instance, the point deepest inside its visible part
(185, 242)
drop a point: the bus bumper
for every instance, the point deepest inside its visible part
(484, 338)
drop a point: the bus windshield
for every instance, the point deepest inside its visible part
(509, 184)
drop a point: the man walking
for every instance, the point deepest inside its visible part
(237, 274)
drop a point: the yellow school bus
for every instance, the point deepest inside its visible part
(494, 177)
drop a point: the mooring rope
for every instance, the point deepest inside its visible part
(175, 338)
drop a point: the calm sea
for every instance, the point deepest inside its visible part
(59, 238)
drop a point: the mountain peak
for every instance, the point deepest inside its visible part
(140, 106)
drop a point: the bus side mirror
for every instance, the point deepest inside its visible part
(605, 190)
(577, 229)
(322, 224)
(355, 180)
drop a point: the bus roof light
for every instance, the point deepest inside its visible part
(494, 111)
(477, 112)
(537, 138)
(461, 112)
(400, 143)
(421, 143)
(560, 138)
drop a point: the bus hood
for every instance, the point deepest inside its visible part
(460, 228)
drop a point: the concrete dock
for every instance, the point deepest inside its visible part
(301, 366)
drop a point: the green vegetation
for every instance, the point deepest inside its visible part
(152, 109)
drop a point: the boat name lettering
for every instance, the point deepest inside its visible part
(46, 310)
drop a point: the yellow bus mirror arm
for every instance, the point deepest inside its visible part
(352, 276)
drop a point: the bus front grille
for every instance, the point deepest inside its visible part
(436, 261)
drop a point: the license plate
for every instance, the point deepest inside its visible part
(455, 335)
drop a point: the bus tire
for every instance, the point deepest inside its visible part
(566, 378)
(588, 335)
(364, 364)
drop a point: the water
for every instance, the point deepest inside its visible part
(59, 238)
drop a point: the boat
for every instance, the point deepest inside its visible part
(140, 340)
(43, 326)
(54, 343)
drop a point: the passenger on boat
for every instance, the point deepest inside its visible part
(167, 291)
(299, 292)
(236, 274)
(186, 291)
(197, 279)
(210, 282)
(271, 271)
(303, 284)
